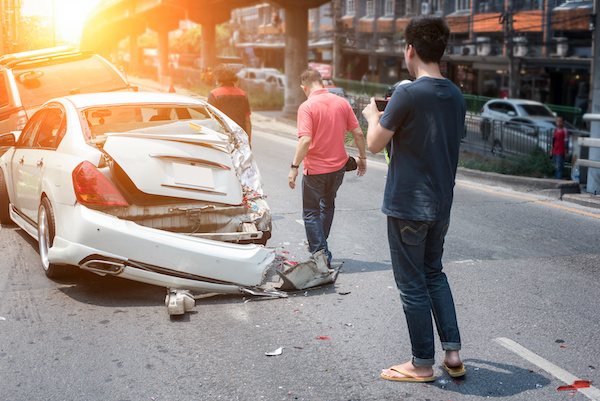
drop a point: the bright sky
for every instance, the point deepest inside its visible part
(69, 15)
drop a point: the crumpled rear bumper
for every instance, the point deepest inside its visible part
(107, 245)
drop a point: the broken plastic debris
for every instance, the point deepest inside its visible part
(290, 263)
(344, 293)
(264, 293)
(562, 346)
(278, 351)
(323, 338)
(304, 275)
(1, 318)
(577, 384)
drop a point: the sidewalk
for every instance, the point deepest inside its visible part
(274, 122)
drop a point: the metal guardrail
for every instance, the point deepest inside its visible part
(497, 138)
(589, 143)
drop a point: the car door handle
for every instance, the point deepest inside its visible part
(40, 163)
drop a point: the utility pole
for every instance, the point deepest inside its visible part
(593, 177)
(506, 19)
(337, 37)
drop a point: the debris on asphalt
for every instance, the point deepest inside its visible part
(308, 274)
(577, 384)
(277, 352)
(323, 338)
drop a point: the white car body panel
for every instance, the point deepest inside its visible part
(228, 266)
(98, 240)
(164, 175)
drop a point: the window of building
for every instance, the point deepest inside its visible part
(435, 6)
(389, 8)
(370, 8)
(527, 5)
(463, 4)
(350, 7)
(411, 7)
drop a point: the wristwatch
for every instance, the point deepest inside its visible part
(293, 166)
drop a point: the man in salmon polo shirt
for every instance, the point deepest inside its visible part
(323, 120)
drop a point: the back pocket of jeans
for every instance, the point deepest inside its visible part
(413, 232)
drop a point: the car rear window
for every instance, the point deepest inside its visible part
(40, 82)
(115, 119)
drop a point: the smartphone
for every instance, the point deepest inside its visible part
(381, 103)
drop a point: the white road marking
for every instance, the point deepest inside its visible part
(301, 222)
(592, 392)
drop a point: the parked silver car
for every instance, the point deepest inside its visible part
(496, 111)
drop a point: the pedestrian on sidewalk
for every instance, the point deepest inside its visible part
(229, 99)
(424, 120)
(560, 146)
(323, 120)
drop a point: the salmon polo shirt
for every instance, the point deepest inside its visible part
(326, 117)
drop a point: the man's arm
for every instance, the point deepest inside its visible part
(359, 140)
(377, 136)
(301, 151)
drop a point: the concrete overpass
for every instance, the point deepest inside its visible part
(114, 20)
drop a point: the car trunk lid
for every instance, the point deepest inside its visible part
(168, 160)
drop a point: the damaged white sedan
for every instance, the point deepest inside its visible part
(157, 188)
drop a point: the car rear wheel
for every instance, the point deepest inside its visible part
(46, 231)
(4, 201)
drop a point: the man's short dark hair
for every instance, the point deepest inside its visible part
(428, 36)
(311, 76)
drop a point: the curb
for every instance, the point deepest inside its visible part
(546, 186)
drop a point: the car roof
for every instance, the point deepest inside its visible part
(117, 98)
(516, 101)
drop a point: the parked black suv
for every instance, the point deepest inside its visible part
(29, 79)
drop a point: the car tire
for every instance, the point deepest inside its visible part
(46, 232)
(4, 201)
(485, 127)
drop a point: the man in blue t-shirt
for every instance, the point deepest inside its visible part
(423, 124)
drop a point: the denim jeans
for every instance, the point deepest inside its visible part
(416, 249)
(559, 161)
(318, 205)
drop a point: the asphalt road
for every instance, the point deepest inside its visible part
(524, 272)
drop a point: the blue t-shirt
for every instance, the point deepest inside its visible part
(427, 117)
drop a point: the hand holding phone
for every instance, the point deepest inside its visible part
(381, 103)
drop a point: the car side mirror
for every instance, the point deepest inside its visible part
(8, 139)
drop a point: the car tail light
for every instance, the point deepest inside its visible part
(93, 189)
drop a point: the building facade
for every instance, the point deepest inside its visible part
(10, 22)
(530, 49)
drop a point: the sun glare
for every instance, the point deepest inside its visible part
(69, 15)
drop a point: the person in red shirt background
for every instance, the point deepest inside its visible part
(229, 99)
(560, 146)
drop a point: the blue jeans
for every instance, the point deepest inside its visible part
(559, 161)
(318, 205)
(416, 248)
